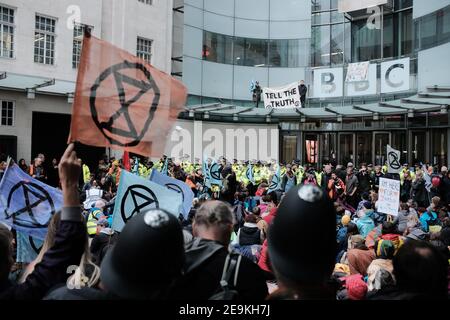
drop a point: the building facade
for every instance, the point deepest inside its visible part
(404, 102)
(40, 45)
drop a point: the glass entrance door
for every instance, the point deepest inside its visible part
(380, 141)
(364, 148)
(346, 148)
(418, 146)
(289, 148)
(311, 149)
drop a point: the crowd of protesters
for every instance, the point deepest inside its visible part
(316, 235)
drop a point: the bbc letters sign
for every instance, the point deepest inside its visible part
(394, 77)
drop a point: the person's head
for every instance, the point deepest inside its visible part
(404, 206)
(147, 258)
(327, 169)
(345, 220)
(302, 82)
(37, 161)
(385, 249)
(22, 162)
(333, 175)
(388, 228)
(357, 241)
(274, 198)
(302, 210)
(54, 162)
(377, 169)
(214, 221)
(435, 201)
(6, 252)
(349, 170)
(352, 228)
(444, 170)
(420, 268)
(288, 168)
(41, 156)
(256, 211)
(251, 218)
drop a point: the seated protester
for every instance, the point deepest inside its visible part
(264, 204)
(249, 234)
(95, 214)
(354, 288)
(262, 188)
(105, 237)
(341, 236)
(260, 223)
(364, 223)
(359, 256)
(389, 232)
(420, 272)
(272, 207)
(303, 274)
(364, 199)
(344, 243)
(376, 278)
(402, 218)
(378, 218)
(70, 239)
(430, 219)
(206, 256)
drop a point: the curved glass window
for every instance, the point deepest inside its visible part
(433, 29)
(291, 53)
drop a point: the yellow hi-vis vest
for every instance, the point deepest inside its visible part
(91, 223)
(86, 174)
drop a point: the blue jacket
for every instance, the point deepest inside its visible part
(365, 225)
(425, 218)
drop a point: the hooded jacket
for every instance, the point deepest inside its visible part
(402, 220)
(203, 270)
(365, 225)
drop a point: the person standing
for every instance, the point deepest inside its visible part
(303, 90)
(351, 186)
(257, 91)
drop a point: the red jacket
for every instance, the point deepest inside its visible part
(264, 262)
(270, 216)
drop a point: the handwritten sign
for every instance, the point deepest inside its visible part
(389, 196)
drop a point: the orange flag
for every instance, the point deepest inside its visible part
(122, 102)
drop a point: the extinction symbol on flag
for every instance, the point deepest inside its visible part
(141, 197)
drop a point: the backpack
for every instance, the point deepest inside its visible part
(227, 289)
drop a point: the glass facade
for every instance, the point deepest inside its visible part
(335, 40)
(289, 53)
(432, 29)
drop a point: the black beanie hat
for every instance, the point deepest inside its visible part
(147, 258)
(302, 237)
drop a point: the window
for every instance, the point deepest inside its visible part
(6, 32)
(78, 33)
(44, 40)
(217, 48)
(149, 2)
(144, 49)
(7, 117)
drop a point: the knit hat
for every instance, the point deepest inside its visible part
(367, 205)
(345, 220)
(356, 287)
(300, 211)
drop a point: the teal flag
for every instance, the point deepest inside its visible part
(165, 168)
(214, 174)
(249, 173)
(27, 248)
(137, 195)
(275, 183)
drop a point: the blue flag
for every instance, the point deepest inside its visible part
(275, 183)
(165, 168)
(176, 185)
(27, 204)
(135, 169)
(137, 195)
(206, 173)
(214, 174)
(27, 248)
(249, 173)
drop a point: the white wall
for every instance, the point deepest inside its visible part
(434, 67)
(23, 63)
(232, 140)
